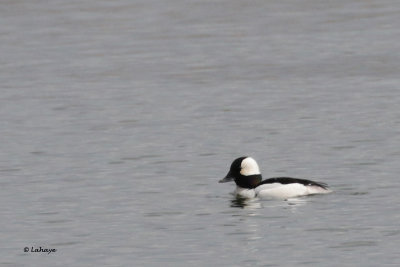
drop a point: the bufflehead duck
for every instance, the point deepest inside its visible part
(246, 174)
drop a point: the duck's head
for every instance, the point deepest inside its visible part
(245, 172)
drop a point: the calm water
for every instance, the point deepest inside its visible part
(119, 117)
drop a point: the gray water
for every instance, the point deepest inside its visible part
(119, 117)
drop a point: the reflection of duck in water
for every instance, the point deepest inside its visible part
(240, 202)
(246, 174)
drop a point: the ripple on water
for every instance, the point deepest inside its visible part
(163, 213)
(328, 229)
(356, 244)
(207, 154)
(342, 147)
(10, 170)
(391, 232)
(64, 244)
(140, 157)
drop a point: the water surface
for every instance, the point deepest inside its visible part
(119, 117)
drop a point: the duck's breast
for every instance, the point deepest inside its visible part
(244, 192)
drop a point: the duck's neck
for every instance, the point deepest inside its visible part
(249, 182)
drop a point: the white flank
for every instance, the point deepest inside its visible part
(285, 191)
(249, 167)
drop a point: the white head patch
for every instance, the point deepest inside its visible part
(249, 167)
